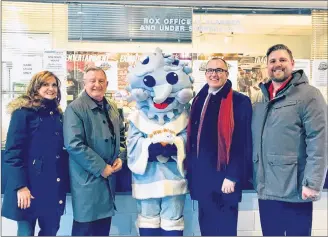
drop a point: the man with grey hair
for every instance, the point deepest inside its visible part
(94, 138)
(289, 128)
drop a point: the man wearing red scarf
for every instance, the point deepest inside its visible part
(219, 150)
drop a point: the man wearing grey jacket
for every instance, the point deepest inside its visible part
(289, 129)
(94, 138)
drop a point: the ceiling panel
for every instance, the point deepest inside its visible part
(269, 4)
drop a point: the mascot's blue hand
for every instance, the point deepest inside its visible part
(169, 150)
(154, 149)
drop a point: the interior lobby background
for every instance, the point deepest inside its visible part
(31, 29)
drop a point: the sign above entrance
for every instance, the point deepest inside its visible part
(167, 24)
(97, 22)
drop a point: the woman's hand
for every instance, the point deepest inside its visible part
(24, 197)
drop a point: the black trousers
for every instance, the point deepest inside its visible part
(285, 218)
(99, 227)
(49, 225)
(217, 217)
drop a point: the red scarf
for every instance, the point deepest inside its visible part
(226, 126)
(225, 130)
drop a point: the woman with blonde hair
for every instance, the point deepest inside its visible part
(36, 164)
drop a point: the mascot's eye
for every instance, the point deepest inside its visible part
(149, 81)
(145, 61)
(172, 78)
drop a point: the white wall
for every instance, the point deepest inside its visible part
(247, 44)
(253, 44)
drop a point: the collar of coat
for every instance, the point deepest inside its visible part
(225, 121)
(24, 101)
(110, 105)
(91, 103)
(298, 78)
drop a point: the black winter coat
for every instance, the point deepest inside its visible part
(35, 158)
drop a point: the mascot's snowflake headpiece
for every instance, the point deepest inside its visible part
(161, 86)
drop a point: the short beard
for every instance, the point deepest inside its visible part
(279, 80)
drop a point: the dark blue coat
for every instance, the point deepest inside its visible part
(202, 174)
(35, 158)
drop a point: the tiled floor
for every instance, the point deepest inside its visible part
(123, 223)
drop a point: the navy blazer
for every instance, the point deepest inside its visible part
(202, 174)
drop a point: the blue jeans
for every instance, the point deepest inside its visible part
(48, 226)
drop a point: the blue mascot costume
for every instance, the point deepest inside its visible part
(162, 88)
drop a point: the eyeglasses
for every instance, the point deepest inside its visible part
(216, 70)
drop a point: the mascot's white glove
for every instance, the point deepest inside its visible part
(184, 96)
(139, 94)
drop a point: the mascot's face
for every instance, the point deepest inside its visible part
(164, 85)
(165, 82)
